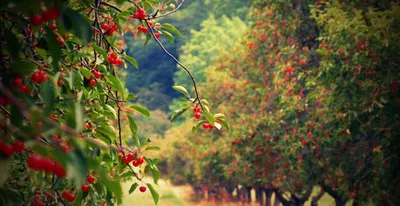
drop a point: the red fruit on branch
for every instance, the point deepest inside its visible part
(50, 14)
(105, 26)
(85, 188)
(18, 146)
(206, 125)
(53, 27)
(96, 74)
(157, 35)
(304, 142)
(36, 20)
(197, 115)
(140, 160)
(135, 163)
(34, 162)
(47, 165)
(59, 171)
(91, 179)
(24, 89)
(143, 29)
(6, 149)
(92, 83)
(142, 188)
(18, 81)
(196, 110)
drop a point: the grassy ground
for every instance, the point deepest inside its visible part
(182, 196)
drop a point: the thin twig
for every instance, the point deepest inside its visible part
(178, 62)
(112, 6)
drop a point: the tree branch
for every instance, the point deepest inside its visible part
(177, 61)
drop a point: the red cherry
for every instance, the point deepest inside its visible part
(53, 27)
(140, 160)
(127, 160)
(131, 156)
(87, 125)
(197, 115)
(47, 165)
(157, 35)
(97, 74)
(6, 149)
(58, 170)
(60, 42)
(304, 142)
(34, 161)
(85, 187)
(91, 179)
(105, 26)
(50, 14)
(24, 89)
(59, 82)
(36, 20)
(196, 109)
(18, 81)
(39, 203)
(92, 82)
(65, 195)
(141, 11)
(142, 188)
(135, 163)
(36, 77)
(18, 146)
(119, 62)
(206, 125)
(143, 29)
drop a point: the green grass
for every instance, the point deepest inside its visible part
(171, 196)
(167, 196)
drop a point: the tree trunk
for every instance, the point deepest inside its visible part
(237, 193)
(259, 195)
(268, 195)
(276, 201)
(315, 199)
(339, 202)
(248, 194)
(229, 189)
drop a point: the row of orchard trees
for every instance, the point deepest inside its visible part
(68, 131)
(313, 99)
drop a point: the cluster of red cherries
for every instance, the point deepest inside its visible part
(197, 115)
(37, 162)
(130, 158)
(9, 149)
(45, 16)
(113, 59)
(90, 179)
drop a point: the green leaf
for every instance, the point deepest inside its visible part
(80, 26)
(49, 95)
(131, 61)
(133, 126)
(154, 193)
(141, 109)
(85, 72)
(179, 112)
(181, 90)
(148, 37)
(169, 36)
(117, 84)
(225, 124)
(130, 97)
(152, 148)
(23, 67)
(155, 172)
(209, 117)
(219, 116)
(12, 43)
(205, 102)
(54, 47)
(100, 51)
(111, 110)
(57, 183)
(133, 187)
(171, 28)
(197, 126)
